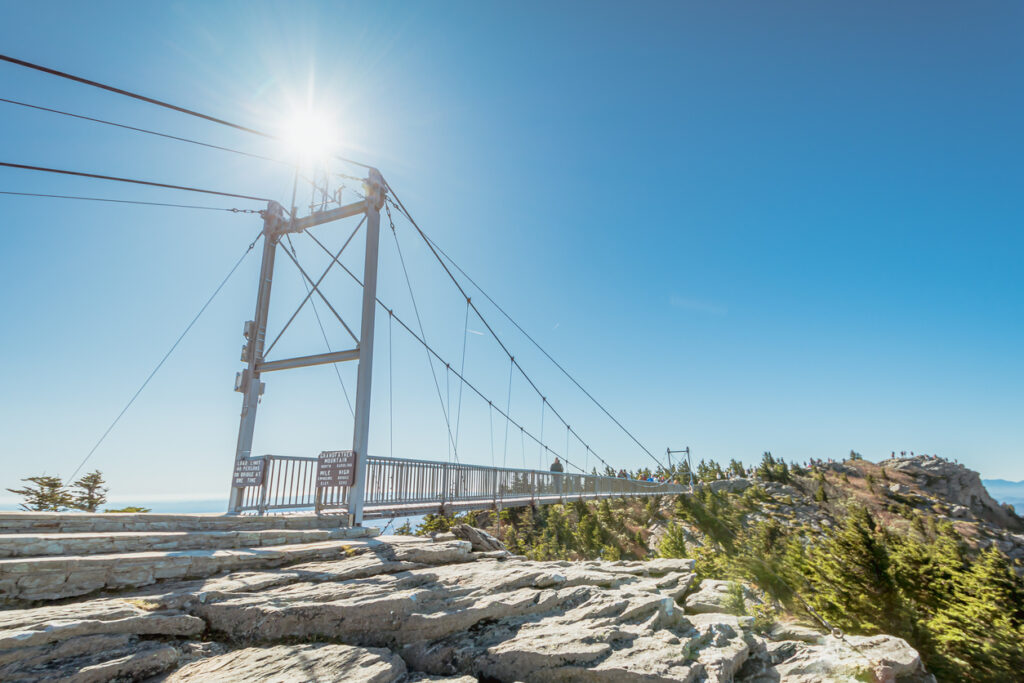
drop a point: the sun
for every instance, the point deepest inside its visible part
(309, 135)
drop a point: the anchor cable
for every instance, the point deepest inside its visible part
(166, 356)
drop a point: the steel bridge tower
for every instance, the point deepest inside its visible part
(249, 381)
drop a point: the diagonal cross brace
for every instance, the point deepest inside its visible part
(316, 289)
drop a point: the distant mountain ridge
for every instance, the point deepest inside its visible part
(1010, 492)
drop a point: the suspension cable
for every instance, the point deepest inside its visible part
(319, 322)
(523, 331)
(567, 433)
(391, 388)
(97, 176)
(165, 357)
(540, 455)
(522, 445)
(323, 333)
(462, 291)
(508, 409)
(145, 131)
(436, 355)
(127, 201)
(448, 401)
(490, 419)
(419, 322)
(462, 370)
(150, 100)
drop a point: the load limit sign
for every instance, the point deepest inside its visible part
(249, 472)
(336, 468)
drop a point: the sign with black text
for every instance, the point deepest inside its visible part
(336, 468)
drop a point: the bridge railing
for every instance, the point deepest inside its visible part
(288, 483)
(394, 484)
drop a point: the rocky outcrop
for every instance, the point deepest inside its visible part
(736, 485)
(957, 486)
(405, 609)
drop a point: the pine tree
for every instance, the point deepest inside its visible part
(736, 468)
(589, 537)
(48, 494)
(673, 543)
(90, 492)
(851, 580)
(683, 472)
(978, 636)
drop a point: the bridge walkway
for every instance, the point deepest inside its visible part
(401, 486)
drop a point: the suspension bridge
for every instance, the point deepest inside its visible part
(354, 482)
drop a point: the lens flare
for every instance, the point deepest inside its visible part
(309, 135)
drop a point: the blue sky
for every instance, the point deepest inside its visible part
(789, 226)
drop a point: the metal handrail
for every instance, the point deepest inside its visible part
(396, 484)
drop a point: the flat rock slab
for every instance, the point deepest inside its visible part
(53, 578)
(92, 543)
(72, 522)
(295, 664)
(404, 610)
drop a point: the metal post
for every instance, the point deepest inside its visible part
(248, 381)
(361, 432)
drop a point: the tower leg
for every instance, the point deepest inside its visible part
(361, 431)
(256, 333)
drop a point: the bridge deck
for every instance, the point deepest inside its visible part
(421, 508)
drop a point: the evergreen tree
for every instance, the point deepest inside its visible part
(673, 543)
(604, 513)
(771, 469)
(683, 472)
(978, 637)
(589, 536)
(44, 494)
(850, 577)
(90, 492)
(704, 471)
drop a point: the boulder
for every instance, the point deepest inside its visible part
(480, 540)
(716, 596)
(793, 631)
(880, 659)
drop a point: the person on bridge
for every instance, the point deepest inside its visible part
(557, 468)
